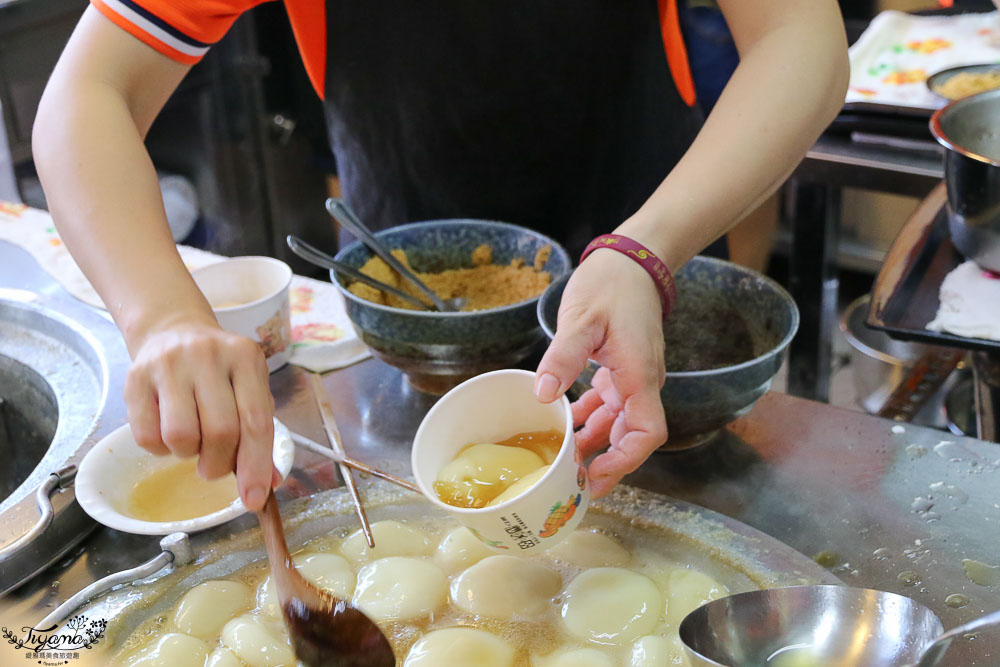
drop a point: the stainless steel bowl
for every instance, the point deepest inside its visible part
(970, 131)
(832, 626)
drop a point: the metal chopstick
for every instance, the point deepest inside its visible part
(333, 433)
(316, 448)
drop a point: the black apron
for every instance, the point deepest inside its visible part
(559, 115)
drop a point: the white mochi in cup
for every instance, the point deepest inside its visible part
(490, 408)
(249, 296)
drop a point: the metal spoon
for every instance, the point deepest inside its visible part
(314, 255)
(818, 625)
(339, 209)
(325, 631)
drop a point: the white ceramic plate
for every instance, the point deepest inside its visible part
(109, 470)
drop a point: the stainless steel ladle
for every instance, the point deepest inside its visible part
(935, 652)
(818, 626)
(339, 209)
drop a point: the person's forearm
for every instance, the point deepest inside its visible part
(103, 194)
(788, 87)
(192, 388)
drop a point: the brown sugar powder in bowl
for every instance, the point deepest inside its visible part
(965, 84)
(485, 285)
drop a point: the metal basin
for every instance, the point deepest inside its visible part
(53, 383)
(62, 365)
(968, 129)
(28, 417)
(879, 362)
(736, 555)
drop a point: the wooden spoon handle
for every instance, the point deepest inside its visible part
(282, 567)
(324, 631)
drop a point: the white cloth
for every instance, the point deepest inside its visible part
(180, 203)
(970, 303)
(891, 61)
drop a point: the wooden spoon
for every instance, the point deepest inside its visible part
(325, 631)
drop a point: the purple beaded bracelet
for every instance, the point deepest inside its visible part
(645, 258)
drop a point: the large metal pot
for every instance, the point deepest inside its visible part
(878, 363)
(970, 131)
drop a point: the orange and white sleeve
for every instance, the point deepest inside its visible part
(182, 30)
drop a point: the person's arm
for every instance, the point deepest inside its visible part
(192, 388)
(789, 85)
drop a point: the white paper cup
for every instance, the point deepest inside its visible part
(490, 408)
(249, 296)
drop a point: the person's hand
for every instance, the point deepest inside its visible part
(196, 390)
(611, 313)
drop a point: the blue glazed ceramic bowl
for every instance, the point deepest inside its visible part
(725, 341)
(436, 350)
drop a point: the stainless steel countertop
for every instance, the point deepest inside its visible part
(821, 479)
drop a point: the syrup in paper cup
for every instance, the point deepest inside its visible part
(491, 408)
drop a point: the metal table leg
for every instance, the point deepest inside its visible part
(986, 380)
(813, 283)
